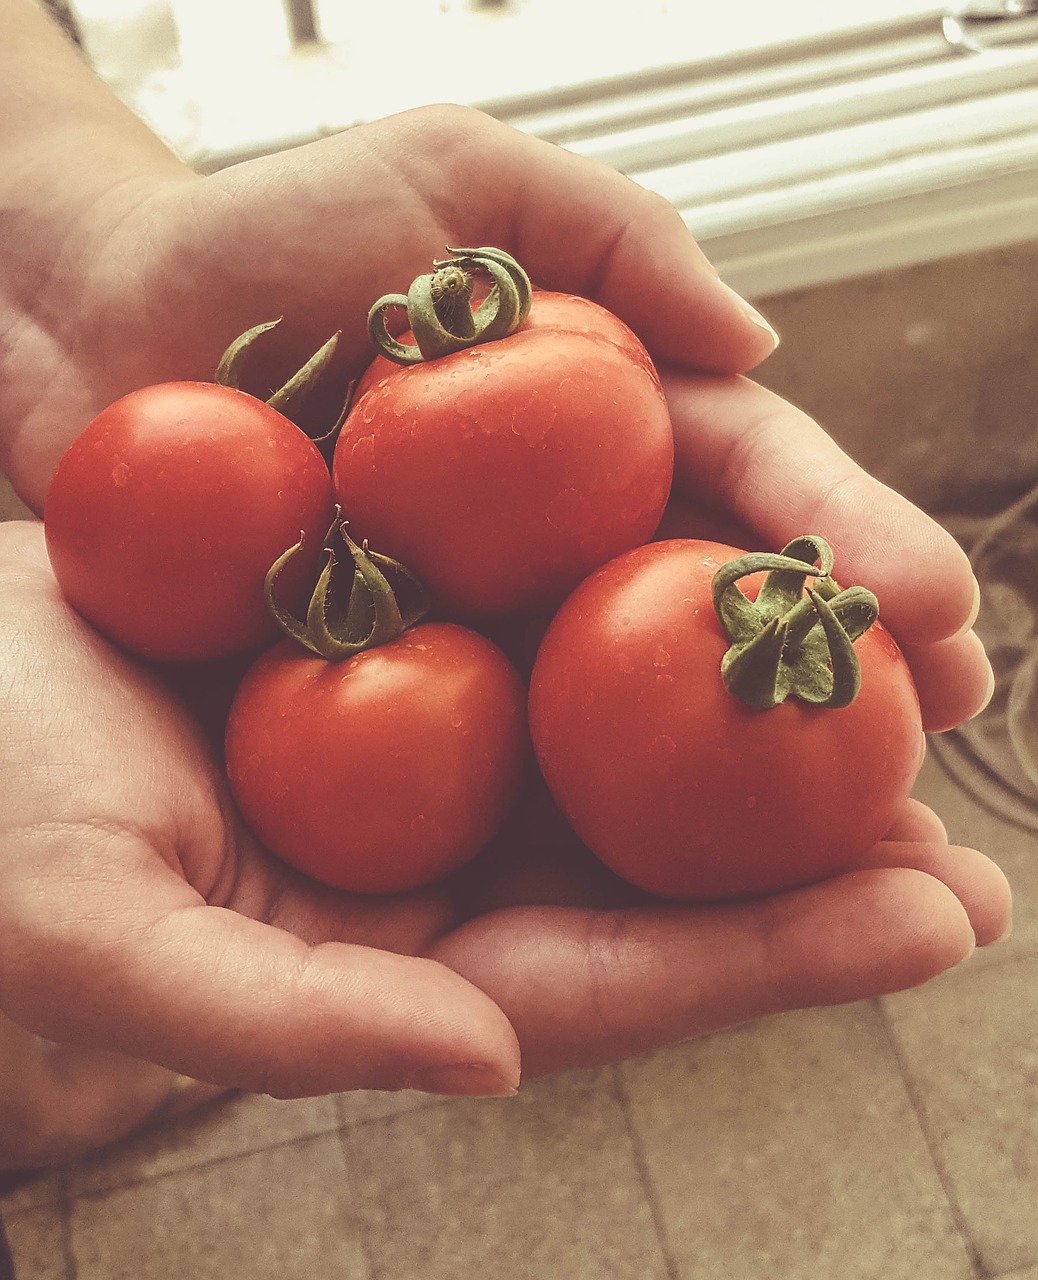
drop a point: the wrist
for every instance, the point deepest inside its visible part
(75, 164)
(67, 144)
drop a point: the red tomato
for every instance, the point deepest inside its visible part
(384, 771)
(166, 512)
(502, 474)
(678, 785)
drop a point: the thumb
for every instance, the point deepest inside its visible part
(579, 226)
(227, 999)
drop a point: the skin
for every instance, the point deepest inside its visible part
(140, 923)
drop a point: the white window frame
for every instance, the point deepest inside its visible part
(795, 164)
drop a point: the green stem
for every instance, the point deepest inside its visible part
(228, 371)
(439, 307)
(792, 639)
(361, 599)
(288, 398)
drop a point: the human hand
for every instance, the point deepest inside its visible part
(138, 915)
(206, 955)
(169, 266)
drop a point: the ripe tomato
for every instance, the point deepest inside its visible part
(674, 782)
(166, 512)
(384, 771)
(503, 473)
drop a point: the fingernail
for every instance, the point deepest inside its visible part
(975, 608)
(753, 314)
(466, 1079)
(988, 695)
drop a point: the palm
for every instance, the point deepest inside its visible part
(147, 843)
(174, 268)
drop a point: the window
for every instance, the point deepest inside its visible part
(801, 141)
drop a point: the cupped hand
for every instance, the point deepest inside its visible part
(167, 267)
(138, 915)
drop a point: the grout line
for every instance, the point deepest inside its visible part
(64, 1206)
(1018, 1273)
(980, 1272)
(361, 1229)
(641, 1164)
(99, 1193)
(125, 1184)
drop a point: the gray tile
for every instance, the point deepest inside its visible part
(378, 1104)
(970, 1047)
(918, 372)
(274, 1215)
(37, 1240)
(545, 1184)
(231, 1128)
(39, 1189)
(789, 1148)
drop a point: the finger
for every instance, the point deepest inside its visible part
(138, 965)
(978, 883)
(954, 678)
(917, 822)
(584, 988)
(776, 470)
(409, 185)
(57, 1102)
(581, 227)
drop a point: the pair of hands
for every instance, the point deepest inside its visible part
(137, 914)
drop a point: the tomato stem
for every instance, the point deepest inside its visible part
(361, 600)
(792, 639)
(439, 306)
(288, 398)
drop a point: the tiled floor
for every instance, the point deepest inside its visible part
(888, 1140)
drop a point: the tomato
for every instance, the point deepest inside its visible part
(384, 771)
(166, 512)
(503, 473)
(677, 784)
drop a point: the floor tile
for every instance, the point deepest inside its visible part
(789, 1148)
(542, 1185)
(380, 1104)
(37, 1240)
(42, 1189)
(273, 1215)
(969, 1044)
(230, 1128)
(915, 384)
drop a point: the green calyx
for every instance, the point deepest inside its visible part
(793, 640)
(439, 306)
(288, 399)
(361, 600)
